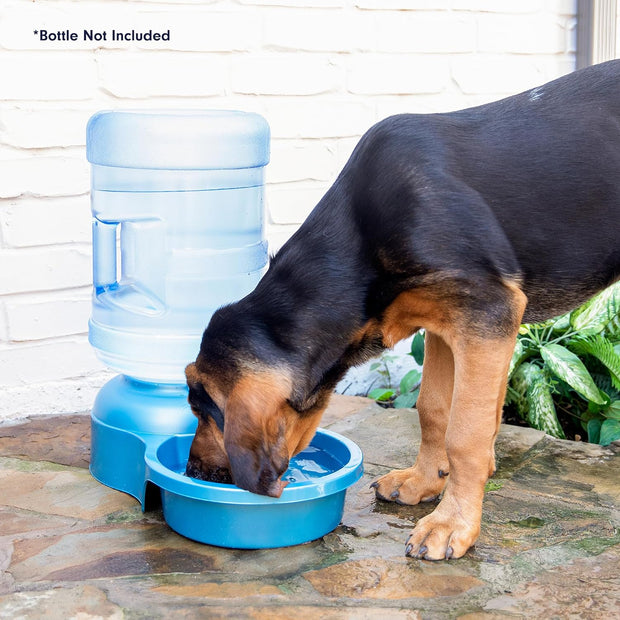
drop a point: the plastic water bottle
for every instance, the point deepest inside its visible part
(177, 202)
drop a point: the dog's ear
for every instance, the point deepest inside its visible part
(255, 433)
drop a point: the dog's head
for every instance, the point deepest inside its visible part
(247, 428)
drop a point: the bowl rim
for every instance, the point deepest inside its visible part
(191, 488)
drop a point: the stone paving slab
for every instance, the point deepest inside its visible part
(550, 543)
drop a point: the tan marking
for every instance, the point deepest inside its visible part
(208, 440)
(422, 481)
(480, 368)
(302, 430)
(412, 310)
(265, 409)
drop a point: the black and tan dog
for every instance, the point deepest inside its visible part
(466, 224)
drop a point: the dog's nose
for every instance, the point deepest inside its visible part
(276, 488)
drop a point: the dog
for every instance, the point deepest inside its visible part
(466, 224)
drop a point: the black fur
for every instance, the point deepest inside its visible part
(526, 189)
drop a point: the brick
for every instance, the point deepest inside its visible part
(561, 7)
(317, 30)
(297, 117)
(425, 33)
(45, 221)
(204, 31)
(496, 75)
(380, 74)
(278, 235)
(492, 6)
(44, 269)
(44, 176)
(293, 160)
(297, 3)
(4, 328)
(292, 203)
(42, 76)
(344, 148)
(420, 104)
(37, 317)
(67, 395)
(168, 2)
(168, 74)
(284, 74)
(526, 34)
(32, 128)
(404, 5)
(22, 365)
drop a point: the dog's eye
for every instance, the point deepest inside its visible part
(200, 400)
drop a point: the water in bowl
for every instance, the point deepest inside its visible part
(307, 466)
(310, 464)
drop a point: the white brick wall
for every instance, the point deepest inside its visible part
(320, 71)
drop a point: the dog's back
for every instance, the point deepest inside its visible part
(527, 187)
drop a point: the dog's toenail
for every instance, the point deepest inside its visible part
(449, 553)
(421, 551)
(442, 473)
(395, 494)
(408, 549)
(374, 485)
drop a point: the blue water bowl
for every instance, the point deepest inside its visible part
(140, 441)
(226, 516)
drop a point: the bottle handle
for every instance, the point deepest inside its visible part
(104, 254)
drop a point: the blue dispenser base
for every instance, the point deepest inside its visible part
(127, 416)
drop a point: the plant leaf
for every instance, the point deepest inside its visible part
(520, 354)
(410, 381)
(417, 348)
(540, 412)
(612, 329)
(561, 323)
(405, 401)
(568, 367)
(610, 431)
(594, 430)
(593, 316)
(381, 394)
(613, 411)
(518, 384)
(598, 346)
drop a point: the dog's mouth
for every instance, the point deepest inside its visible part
(215, 474)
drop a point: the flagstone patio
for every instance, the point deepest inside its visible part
(73, 548)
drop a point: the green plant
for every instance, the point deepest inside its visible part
(406, 395)
(564, 376)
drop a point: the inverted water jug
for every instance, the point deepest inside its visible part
(177, 204)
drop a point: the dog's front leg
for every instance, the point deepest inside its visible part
(481, 366)
(427, 478)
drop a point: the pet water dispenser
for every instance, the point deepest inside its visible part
(177, 204)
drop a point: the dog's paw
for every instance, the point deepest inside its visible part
(444, 534)
(410, 486)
